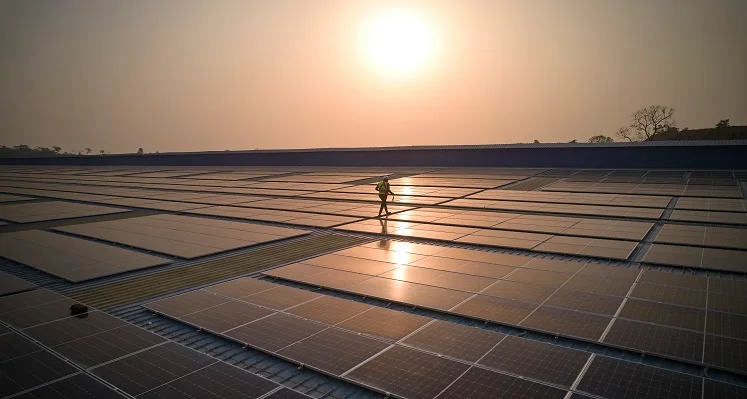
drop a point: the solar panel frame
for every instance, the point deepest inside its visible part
(384, 323)
(454, 340)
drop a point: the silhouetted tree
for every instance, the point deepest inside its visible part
(647, 122)
(600, 138)
(102, 152)
(57, 149)
(573, 141)
(88, 150)
(536, 142)
(722, 123)
(140, 150)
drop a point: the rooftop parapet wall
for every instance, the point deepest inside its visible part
(680, 154)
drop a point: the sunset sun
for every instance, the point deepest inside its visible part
(397, 41)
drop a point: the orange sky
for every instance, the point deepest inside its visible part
(189, 75)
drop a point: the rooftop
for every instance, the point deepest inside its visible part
(282, 281)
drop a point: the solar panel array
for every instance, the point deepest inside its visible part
(48, 353)
(557, 281)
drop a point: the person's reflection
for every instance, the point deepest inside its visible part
(384, 244)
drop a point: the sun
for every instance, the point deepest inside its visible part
(397, 41)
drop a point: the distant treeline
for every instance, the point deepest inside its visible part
(24, 151)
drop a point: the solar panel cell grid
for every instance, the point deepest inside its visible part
(329, 310)
(152, 368)
(77, 386)
(651, 338)
(537, 360)
(190, 302)
(99, 348)
(614, 378)
(28, 371)
(454, 340)
(408, 373)
(719, 390)
(520, 291)
(275, 332)
(281, 297)
(29, 317)
(226, 316)
(478, 383)
(664, 314)
(495, 309)
(73, 327)
(240, 287)
(218, 380)
(334, 351)
(671, 295)
(567, 322)
(585, 302)
(13, 345)
(384, 323)
(726, 352)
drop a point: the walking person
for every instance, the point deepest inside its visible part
(384, 190)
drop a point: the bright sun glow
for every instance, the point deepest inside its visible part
(397, 41)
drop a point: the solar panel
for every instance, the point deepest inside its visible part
(109, 345)
(454, 340)
(726, 352)
(671, 295)
(13, 345)
(567, 322)
(408, 373)
(73, 327)
(241, 287)
(285, 393)
(71, 258)
(28, 299)
(490, 308)
(77, 386)
(657, 339)
(727, 324)
(434, 297)
(537, 360)
(585, 302)
(32, 316)
(520, 291)
(555, 265)
(676, 280)
(598, 285)
(479, 383)
(190, 302)
(329, 309)
(615, 378)
(51, 210)
(730, 287)
(719, 390)
(385, 323)
(152, 368)
(275, 332)
(334, 351)
(10, 284)
(281, 297)
(727, 303)
(219, 380)
(664, 314)
(28, 371)
(226, 316)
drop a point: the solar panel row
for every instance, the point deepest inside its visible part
(573, 304)
(127, 357)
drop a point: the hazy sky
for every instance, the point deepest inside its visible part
(190, 75)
